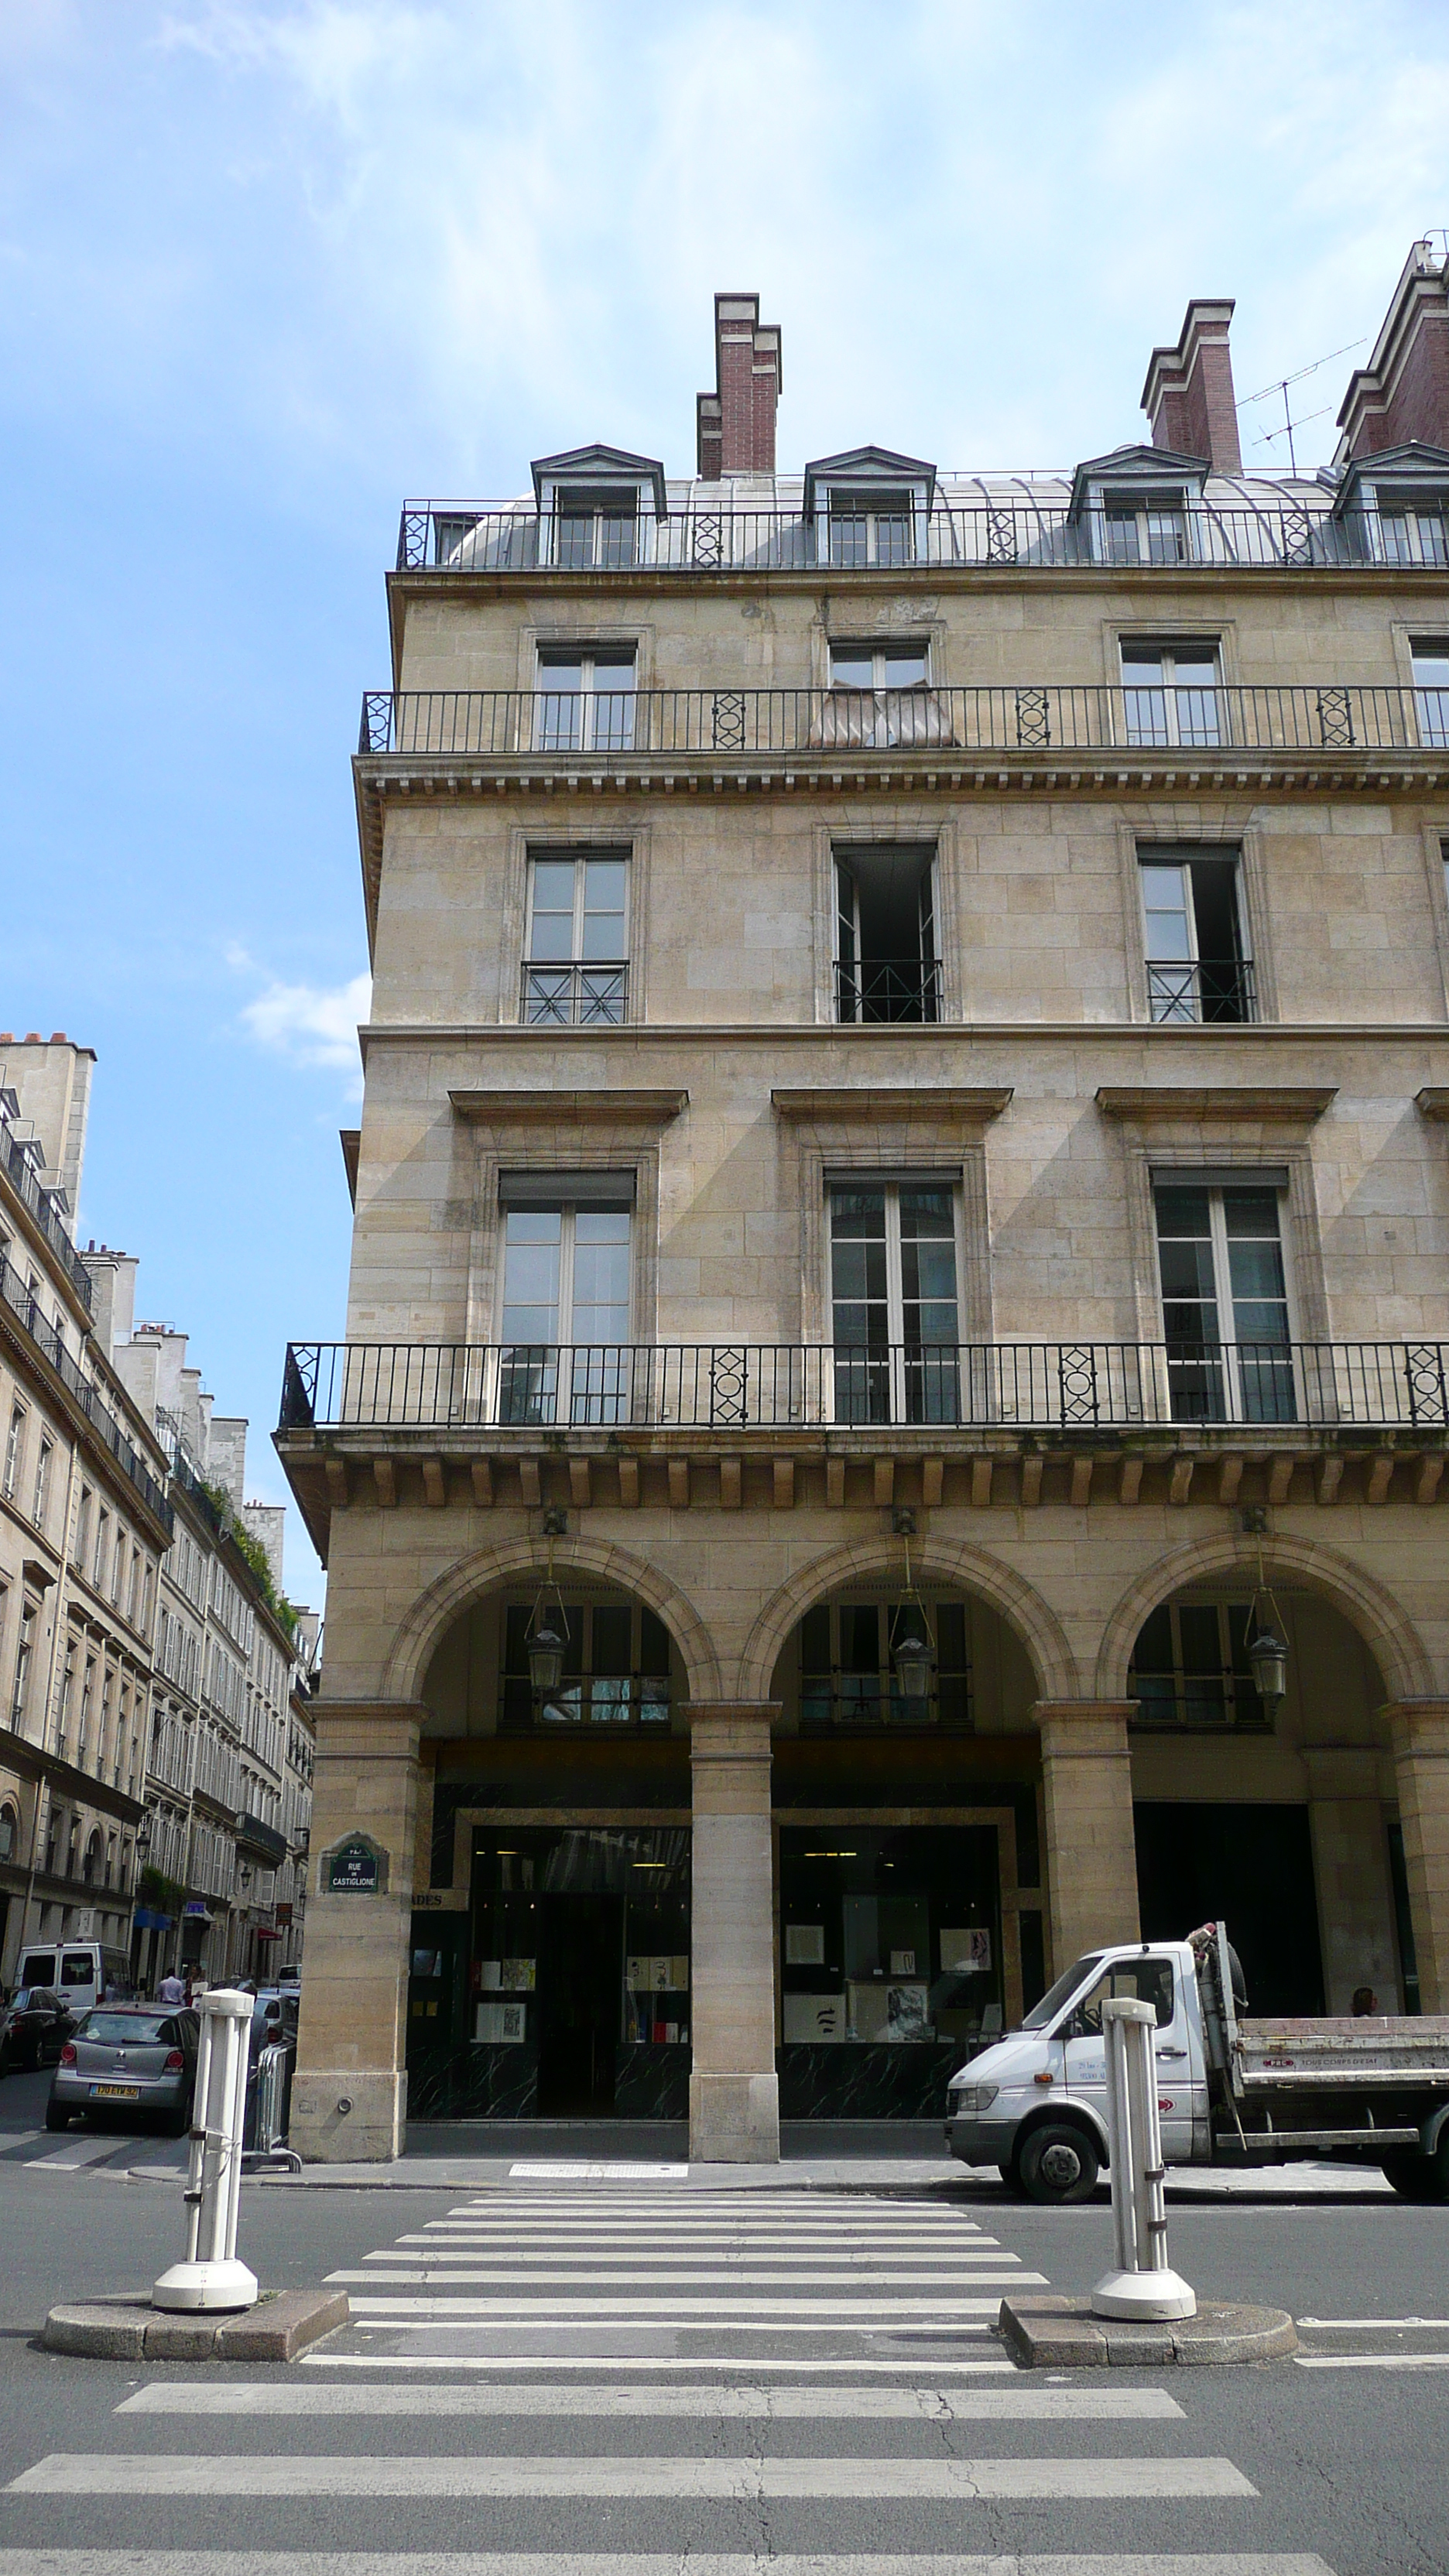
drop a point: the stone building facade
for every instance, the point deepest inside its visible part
(84, 1523)
(901, 1223)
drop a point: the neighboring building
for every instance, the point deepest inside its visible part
(84, 1522)
(228, 1765)
(902, 1180)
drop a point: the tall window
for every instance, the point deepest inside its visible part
(1190, 1667)
(1198, 967)
(885, 936)
(565, 1313)
(586, 699)
(41, 1501)
(847, 1669)
(878, 666)
(871, 527)
(1170, 694)
(577, 969)
(14, 1446)
(103, 1532)
(893, 1302)
(615, 1669)
(597, 530)
(1137, 528)
(83, 1527)
(1431, 693)
(20, 1695)
(1224, 1303)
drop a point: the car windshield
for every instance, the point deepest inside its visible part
(127, 2030)
(1062, 1992)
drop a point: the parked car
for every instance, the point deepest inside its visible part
(134, 2057)
(34, 2028)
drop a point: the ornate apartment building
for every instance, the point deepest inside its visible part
(893, 1415)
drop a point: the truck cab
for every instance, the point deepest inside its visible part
(1035, 2103)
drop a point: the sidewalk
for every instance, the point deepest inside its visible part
(815, 2155)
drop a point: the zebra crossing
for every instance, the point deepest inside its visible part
(606, 2379)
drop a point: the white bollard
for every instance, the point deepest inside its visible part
(211, 2276)
(1142, 2285)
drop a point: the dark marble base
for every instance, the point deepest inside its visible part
(845, 2081)
(477, 2082)
(651, 2083)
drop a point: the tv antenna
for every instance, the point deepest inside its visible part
(1281, 385)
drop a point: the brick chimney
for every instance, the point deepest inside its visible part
(1403, 392)
(1188, 396)
(736, 423)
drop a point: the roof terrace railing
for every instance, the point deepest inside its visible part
(1318, 716)
(776, 1386)
(1011, 534)
(24, 1179)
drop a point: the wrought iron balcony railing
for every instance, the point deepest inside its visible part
(898, 992)
(576, 997)
(1023, 535)
(1203, 989)
(521, 724)
(776, 1386)
(78, 1387)
(24, 1178)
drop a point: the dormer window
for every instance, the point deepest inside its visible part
(1136, 506)
(1396, 504)
(599, 509)
(869, 507)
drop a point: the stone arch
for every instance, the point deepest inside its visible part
(434, 1611)
(1383, 1624)
(1035, 1625)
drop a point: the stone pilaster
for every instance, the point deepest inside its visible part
(734, 2097)
(1351, 1867)
(1091, 1847)
(352, 2037)
(1419, 1732)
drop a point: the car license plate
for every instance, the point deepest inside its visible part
(115, 2092)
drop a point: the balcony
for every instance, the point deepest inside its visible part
(1319, 717)
(493, 538)
(941, 1388)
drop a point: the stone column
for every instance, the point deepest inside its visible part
(1351, 1867)
(351, 2043)
(1419, 1732)
(734, 2094)
(1086, 1773)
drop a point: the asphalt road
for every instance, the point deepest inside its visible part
(595, 2372)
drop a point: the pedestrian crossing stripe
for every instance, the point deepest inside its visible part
(871, 2481)
(1017, 2405)
(369, 2562)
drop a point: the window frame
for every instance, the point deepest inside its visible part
(1185, 857)
(1239, 1395)
(15, 1448)
(843, 858)
(593, 1385)
(1433, 734)
(1136, 504)
(869, 505)
(581, 1006)
(1173, 735)
(905, 1361)
(588, 658)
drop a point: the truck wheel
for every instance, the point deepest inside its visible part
(1416, 2177)
(1058, 2163)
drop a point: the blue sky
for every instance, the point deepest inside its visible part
(267, 265)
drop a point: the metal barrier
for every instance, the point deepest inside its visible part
(1143, 2283)
(211, 2276)
(272, 2097)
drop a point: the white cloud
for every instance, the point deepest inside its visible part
(311, 1024)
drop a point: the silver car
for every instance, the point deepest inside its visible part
(138, 2059)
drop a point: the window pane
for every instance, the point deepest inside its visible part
(1166, 537)
(560, 712)
(1165, 901)
(601, 1276)
(616, 536)
(851, 667)
(552, 932)
(905, 667)
(531, 1250)
(849, 538)
(893, 539)
(1122, 539)
(604, 882)
(576, 539)
(1255, 1266)
(928, 1266)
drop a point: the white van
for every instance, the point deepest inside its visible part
(82, 1973)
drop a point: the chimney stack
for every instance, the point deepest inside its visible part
(736, 423)
(1188, 396)
(1403, 392)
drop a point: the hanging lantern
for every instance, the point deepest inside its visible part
(545, 1653)
(1268, 1659)
(913, 1654)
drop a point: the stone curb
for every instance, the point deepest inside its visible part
(128, 2328)
(1063, 2334)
